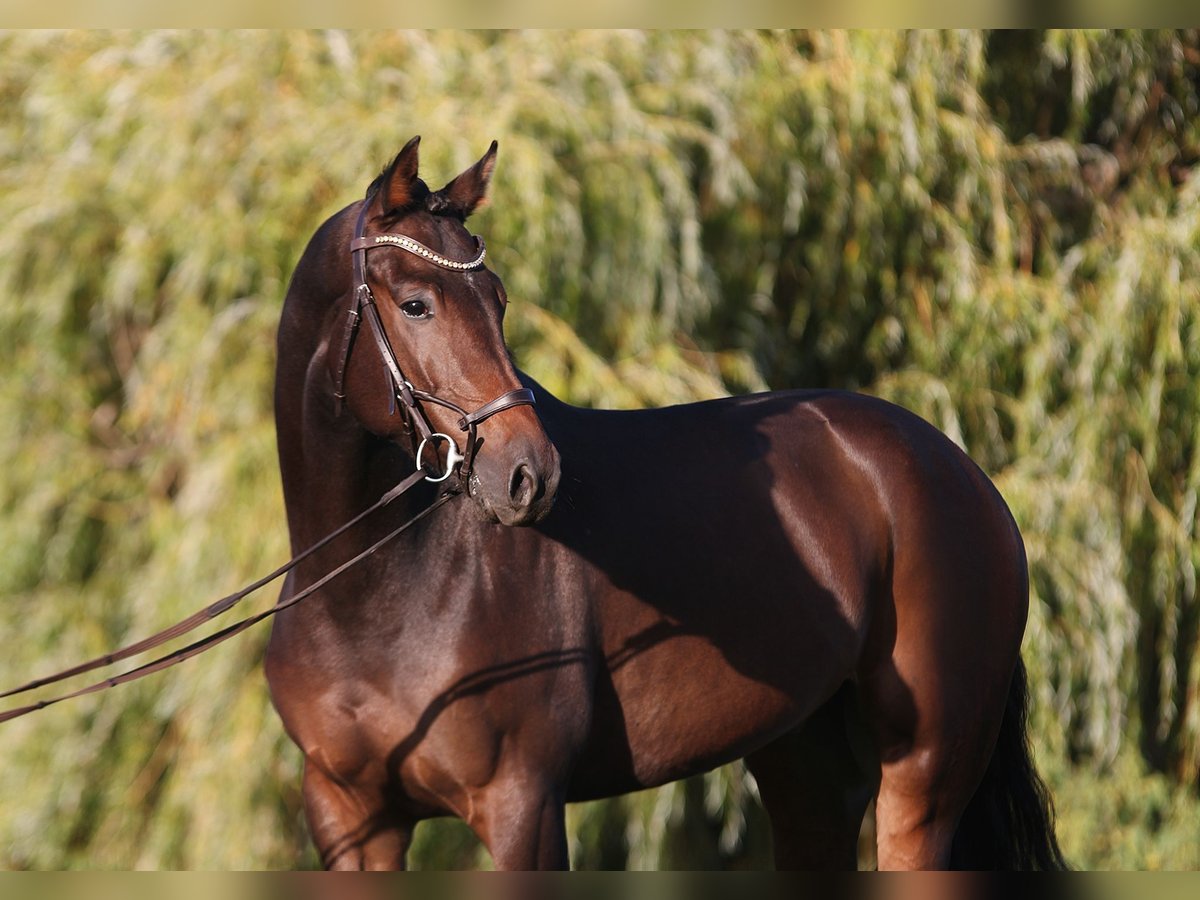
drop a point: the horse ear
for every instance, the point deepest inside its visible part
(468, 191)
(399, 181)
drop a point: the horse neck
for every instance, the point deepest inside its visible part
(331, 467)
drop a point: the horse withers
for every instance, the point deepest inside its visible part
(819, 582)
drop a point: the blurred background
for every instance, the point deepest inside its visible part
(1000, 231)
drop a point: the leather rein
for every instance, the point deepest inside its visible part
(361, 305)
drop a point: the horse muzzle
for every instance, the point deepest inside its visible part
(518, 489)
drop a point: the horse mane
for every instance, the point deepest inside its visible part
(374, 186)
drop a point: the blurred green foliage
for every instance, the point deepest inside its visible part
(998, 230)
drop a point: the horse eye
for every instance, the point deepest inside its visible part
(414, 309)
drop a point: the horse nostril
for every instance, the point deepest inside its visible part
(524, 487)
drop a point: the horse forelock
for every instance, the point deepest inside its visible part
(433, 202)
(419, 198)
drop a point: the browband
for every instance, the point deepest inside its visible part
(404, 242)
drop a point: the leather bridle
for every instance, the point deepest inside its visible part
(362, 306)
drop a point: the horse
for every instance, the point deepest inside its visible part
(819, 582)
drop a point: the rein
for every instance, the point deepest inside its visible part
(223, 605)
(362, 305)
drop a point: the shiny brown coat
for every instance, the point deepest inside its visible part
(819, 582)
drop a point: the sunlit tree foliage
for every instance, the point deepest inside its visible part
(998, 230)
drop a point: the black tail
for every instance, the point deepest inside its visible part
(1009, 823)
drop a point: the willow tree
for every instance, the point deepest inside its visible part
(997, 230)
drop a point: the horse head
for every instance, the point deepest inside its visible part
(447, 383)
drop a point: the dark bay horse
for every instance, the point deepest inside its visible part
(819, 582)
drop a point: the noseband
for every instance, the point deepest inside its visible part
(362, 305)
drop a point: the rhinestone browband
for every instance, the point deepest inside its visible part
(418, 249)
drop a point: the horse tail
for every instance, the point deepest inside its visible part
(1009, 823)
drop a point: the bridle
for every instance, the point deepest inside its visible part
(362, 305)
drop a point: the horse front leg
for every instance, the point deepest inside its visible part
(351, 829)
(522, 822)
